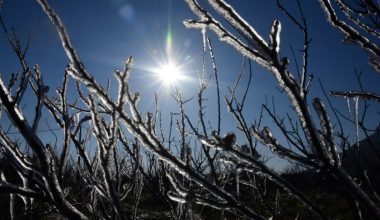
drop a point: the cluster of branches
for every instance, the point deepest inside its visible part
(198, 167)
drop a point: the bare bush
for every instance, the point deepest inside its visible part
(202, 171)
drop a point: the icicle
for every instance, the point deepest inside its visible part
(356, 106)
(358, 210)
(204, 39)
(348, 107)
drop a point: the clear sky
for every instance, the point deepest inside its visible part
(106, 32)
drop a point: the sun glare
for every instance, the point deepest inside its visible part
(168, 70)
(169, 74)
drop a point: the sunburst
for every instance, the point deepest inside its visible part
(169, 73)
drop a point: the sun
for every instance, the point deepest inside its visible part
(168, 69)
(169, 73)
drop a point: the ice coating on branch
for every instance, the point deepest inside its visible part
(150, 122)
(4, 90)
(19, 113)
(136, 98)
(265, 137)
(362, 94)
(350, 31)
(256, 50)
(191, 23)
(176, 198)
(267, 134)
(210, 143)
(375, 63)
(321, 111)
(326, 10)
(238, 22)
(226, 160)
(275, 35)
(104, 101)
(99, 127)
(326, 136)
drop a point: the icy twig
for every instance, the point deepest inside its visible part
(352, 94)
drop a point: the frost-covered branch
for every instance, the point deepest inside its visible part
(323, 153)
(353, 94)
(351, 33)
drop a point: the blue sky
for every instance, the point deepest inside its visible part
(106, 32)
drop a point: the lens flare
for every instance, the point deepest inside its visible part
(169, 40)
